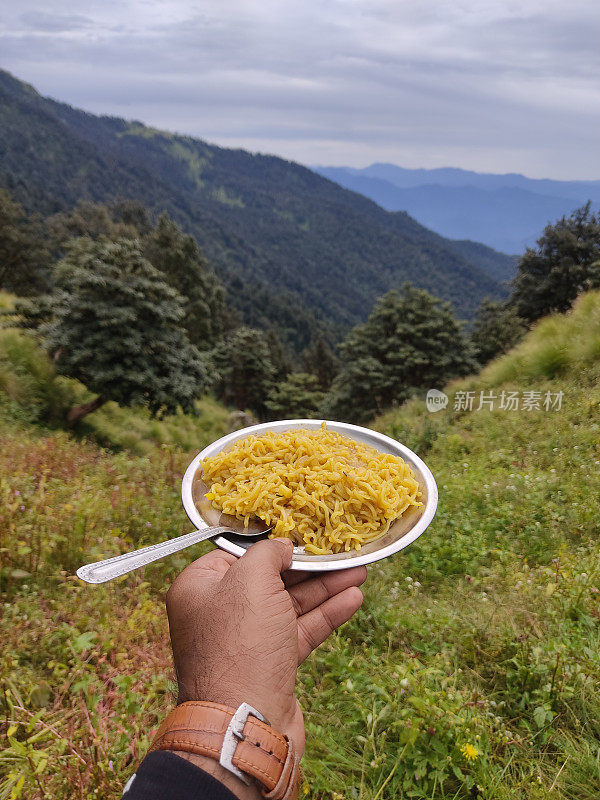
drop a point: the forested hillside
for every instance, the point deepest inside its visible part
(297, 238)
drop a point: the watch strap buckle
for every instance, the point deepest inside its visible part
(235, 734)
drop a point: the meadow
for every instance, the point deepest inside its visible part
(473, 668)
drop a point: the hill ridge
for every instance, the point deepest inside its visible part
(296, 237)
(505, 212)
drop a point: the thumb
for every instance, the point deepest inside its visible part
(269, 557)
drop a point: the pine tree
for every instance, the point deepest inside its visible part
(179, 258)
(92, 220)
(410, 340)
(279, 355)
(565, 263)
(115, 325)
(297, 397)
(496, 329)
(24, 258)
(245, 370)
(319, 360)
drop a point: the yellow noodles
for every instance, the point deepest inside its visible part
(316, 487)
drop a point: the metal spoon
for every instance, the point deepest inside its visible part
(109, 568)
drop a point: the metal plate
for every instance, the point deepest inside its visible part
(401, 533)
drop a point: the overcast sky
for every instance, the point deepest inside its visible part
(490, 85)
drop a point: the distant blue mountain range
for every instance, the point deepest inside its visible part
(506, 212)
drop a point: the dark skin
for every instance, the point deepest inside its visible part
(240, 628)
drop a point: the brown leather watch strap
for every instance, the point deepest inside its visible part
(262, 753)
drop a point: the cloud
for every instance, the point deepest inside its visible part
(496, 85)
(53, 23)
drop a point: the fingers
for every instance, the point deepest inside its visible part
(311, 592)
(273, 555)
(292, 577)
(315, 626)
(215, 561)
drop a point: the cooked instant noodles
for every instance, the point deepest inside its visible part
(321, 489)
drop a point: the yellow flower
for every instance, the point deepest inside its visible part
(469, 752)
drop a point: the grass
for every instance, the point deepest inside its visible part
(32, 393)
(472, 670)
(558, 345)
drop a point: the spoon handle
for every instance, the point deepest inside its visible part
(109, 568)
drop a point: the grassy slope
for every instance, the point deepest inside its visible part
(32, 393)
(485, 632)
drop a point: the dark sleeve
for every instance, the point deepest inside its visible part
(165, 776)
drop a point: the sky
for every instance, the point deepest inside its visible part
(490, 85)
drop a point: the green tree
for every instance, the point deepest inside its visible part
(24, 258)
(130, 212)
(246, 373)
(497, 328)
(297, 397)
(91, 220)
(320, 360)
(178, 257)
(410, 340)
(279, 355)
(116, 326)
(565, 263)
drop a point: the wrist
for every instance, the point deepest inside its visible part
(276, 713)
(248, 755)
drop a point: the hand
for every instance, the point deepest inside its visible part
(240, 628)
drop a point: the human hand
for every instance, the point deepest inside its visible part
(240, 628)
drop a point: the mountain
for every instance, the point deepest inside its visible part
(285, 240)
(506, 212)
(499, 266)
(453, 176)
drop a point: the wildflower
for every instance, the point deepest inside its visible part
(469, 752)
(148, 524)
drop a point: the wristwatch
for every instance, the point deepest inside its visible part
(241, 740)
